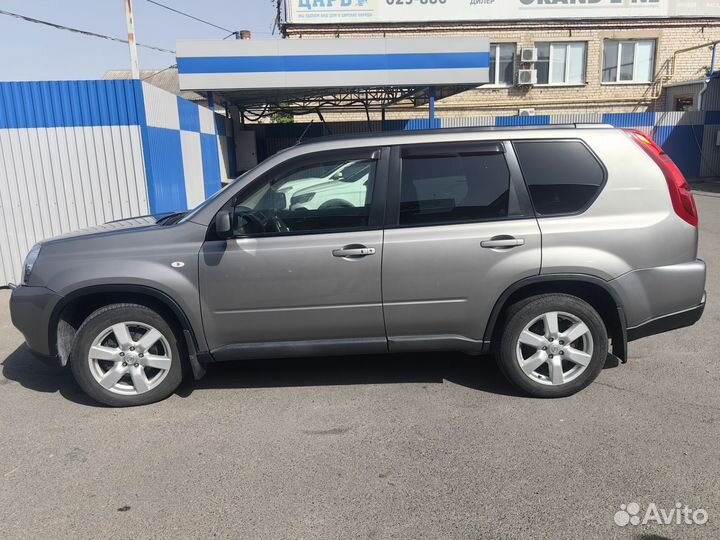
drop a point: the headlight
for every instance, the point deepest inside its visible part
(300, 199)
(29, 262)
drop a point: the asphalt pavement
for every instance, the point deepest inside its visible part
(414, 446)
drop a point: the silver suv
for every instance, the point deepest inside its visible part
(543, 246)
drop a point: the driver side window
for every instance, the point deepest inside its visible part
(324, 196)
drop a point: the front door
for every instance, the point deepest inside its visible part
(460, 231)
(302, 273)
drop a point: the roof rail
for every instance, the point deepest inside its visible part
(468, 129)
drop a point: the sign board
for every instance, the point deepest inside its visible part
(394, 11)
(292, 64)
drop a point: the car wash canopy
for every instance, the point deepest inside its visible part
(366, 73)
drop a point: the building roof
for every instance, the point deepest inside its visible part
(166, 79)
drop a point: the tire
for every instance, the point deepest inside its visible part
(133, 372)
(562, 368)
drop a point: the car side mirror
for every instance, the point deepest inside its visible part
(223, 224)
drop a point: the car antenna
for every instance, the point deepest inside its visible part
(302, 135)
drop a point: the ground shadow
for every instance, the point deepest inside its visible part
(42, 375)
(476, 372)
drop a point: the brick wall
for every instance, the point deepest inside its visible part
(593, 96)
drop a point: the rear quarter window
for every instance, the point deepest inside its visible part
(563, 177)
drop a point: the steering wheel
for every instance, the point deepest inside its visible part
(267, 221)
(279, 223)
(256, 220)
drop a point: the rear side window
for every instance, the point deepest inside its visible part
(453, 188)
(563, 177)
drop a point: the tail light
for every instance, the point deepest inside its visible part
(680, 194)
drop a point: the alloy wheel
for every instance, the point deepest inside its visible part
(554, 348)
(130, 358)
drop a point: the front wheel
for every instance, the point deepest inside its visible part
(125, 355)
(553, 345)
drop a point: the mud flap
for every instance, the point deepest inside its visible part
(197, 368)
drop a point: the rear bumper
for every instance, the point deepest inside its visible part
(665, 323)
(30, 310)
(654, 293)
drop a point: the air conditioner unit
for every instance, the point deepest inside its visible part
(528, 55)
(526, 112)
(527, 77)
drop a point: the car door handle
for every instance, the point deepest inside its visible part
(353, 252)
(502, 242)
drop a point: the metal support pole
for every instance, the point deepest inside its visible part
(134, 64)
(431, 116)
(211, 101)
(382, 119)
(712, 60)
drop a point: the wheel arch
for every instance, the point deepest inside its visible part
(593, 290)
(75, 307)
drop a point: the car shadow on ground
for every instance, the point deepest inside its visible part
(476, 372)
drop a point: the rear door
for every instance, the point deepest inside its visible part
(459, 231)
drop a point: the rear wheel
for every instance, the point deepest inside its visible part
(553, 345)
(125, 355)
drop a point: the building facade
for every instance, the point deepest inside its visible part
(547, 56)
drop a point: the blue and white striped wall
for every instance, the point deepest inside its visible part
(688, 137)
(74, 154)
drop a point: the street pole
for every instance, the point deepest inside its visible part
(134, 64)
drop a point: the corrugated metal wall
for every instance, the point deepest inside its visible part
(80, 153)
(70, 157)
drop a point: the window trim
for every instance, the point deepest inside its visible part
(590, 202)
(495, 83)
(380, 154)
(519, 205)
(567, 63)
(634, 80)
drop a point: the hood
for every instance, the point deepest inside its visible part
(141, 222)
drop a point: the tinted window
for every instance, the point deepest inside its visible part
(327, 196)
(453, 188)
(562, 176)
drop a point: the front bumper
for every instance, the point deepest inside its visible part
(31, 310)
(665, 323)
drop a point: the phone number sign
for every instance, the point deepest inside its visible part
(359, 11)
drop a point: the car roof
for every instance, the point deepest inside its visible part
(376, 135)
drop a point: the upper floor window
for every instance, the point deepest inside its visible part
(628, 61)
(561, 63)
(502, 64)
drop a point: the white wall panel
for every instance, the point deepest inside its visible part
(56, 180)
(161, 108)
(192, 163)
(207, 121)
